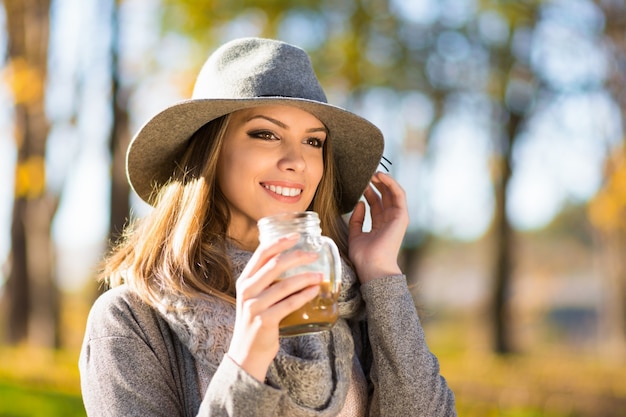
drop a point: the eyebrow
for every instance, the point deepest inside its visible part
(284, 126)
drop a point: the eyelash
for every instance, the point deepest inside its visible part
(262, 134)
(269, 135)
(318, 143)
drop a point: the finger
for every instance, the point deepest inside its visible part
(264, 303)
(373, 200)
(288, 305)
(270, 272)
(265, 252)
(393, 195)
(383, 189)
(285, 288)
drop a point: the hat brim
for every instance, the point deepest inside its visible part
(151, 157)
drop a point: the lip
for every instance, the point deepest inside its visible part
(283, 184)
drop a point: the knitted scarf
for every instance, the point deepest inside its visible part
(313, 370)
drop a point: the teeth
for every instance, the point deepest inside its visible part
(285, 191)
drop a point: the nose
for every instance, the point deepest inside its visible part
(292, 158)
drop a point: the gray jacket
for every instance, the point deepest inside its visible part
(133, 364)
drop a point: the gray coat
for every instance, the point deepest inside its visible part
(133, 364)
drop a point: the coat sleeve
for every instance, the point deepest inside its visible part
(233, 392)
(132, 364)
(125, 362)
(404, 373)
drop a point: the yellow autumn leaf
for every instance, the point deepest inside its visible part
(603, 212)
(25, 81)
(607, 209)
(30, 177)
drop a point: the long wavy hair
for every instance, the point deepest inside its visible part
(181, 244)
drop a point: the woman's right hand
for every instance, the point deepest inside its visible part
(263, 301)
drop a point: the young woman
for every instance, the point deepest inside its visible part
(191, 323)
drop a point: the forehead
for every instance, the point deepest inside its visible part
(286, 114)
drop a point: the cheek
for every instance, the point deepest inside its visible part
(318, 170)
(226, 170)
(239, 168)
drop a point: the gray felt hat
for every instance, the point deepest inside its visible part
(245, 73)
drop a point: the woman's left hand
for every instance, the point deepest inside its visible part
(375, 253)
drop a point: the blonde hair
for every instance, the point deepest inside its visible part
(181, 244)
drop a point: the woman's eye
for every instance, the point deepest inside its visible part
(263, 134)
(315, 142)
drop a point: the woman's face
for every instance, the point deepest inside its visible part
(271, 162)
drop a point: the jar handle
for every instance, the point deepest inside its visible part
(336, 264)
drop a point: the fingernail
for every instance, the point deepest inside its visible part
(313, 290)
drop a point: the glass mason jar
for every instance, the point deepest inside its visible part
(322, 312)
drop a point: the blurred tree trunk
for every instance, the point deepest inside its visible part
(32, 295)
(119, 137)
(503, 250)
(515, 91)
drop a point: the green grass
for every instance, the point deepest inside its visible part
(547, 381)
(37, 382)
(25, 401)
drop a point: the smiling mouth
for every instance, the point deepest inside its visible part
(284, 191)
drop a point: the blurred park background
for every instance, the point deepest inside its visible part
(504, 122)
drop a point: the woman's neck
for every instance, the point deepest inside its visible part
(247, 241)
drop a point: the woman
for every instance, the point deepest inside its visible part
(190, 326)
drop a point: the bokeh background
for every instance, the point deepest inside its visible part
(504, 122)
